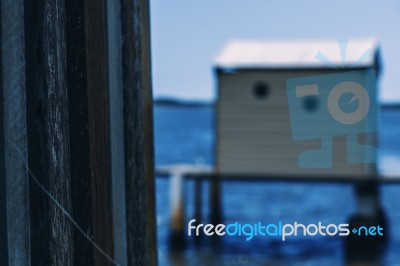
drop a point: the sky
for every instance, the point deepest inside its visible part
(187, 35)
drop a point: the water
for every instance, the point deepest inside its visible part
(186, 135)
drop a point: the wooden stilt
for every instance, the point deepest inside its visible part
(215, 201)
(361, 248)
(198, 204)
(177, 233)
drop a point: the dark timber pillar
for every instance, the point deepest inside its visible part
(215, 201)
(76, 142)
(15, 225)
(361, 248)
(138, 133)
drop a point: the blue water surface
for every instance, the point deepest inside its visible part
(186, 135)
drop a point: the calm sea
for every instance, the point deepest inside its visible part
(186, 135)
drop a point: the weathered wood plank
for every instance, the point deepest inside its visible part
(138, 133)
(48, 132)
(117, 130)
(99, 126)
(79, 132)
(3, 198)
(15, 138)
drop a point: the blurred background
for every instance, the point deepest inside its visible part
(186, 37)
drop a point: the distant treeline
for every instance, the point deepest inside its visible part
(200, 103)
(181, 102)
(390, 106)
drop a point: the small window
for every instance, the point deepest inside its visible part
(310, 103)
(261, 90)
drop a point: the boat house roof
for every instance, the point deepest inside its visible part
(295, 54)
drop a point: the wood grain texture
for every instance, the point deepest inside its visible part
(15, 132)
(138, 133)
(99, 126)
(3, 190)
(58, 96)
(117, 129)
(48, 132)
(79, 131)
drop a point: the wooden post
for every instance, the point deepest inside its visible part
(99, 126)
(215, 200)
(366, 249)
(3, 198)
(117, 130)
(14, 210)
(79, 130)
(198, 204)
(138, 133)
(76, 146)
(177, 175)
(177, 205)
(47, 133)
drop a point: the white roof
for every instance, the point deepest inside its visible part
(298, 53)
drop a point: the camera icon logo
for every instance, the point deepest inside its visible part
(358, 94)
(325, 106)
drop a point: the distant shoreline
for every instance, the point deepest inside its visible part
(204, 103)
(390, 105)
(180, 102)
